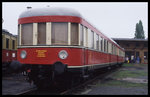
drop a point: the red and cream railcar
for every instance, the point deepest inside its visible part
(60, 40)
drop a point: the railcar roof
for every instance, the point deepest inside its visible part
(54, 11)
(50, 11)
(4, 31)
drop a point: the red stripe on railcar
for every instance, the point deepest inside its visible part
(76, 56)
(37, 19)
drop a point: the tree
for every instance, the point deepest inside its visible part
(139, 32)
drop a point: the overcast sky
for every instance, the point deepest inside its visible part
(114, 19)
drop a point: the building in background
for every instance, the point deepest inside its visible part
(136, 49)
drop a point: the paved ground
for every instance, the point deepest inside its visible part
(131, 79)
(14, 84)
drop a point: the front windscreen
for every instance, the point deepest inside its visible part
(27, 34)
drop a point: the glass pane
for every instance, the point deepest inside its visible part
(112, 48)
(81, 35)
(100, 39)
(97, 41)
(86, 36)
(59, 33)
(18, 34)
(74, 34)
(91, 39)
(106, 46)
(41, 33)
(7, 43)
(13, 44)
(27, 34)
(102, 44)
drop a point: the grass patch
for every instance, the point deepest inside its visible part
(130, 65)
(143, 64)
(135, 72)
(122, 84)
(126, 73)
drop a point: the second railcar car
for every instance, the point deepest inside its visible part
(9, 50)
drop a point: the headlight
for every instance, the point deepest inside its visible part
(63, 54)
(23, 54)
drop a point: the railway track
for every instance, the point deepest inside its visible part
(53, 91)
(101, 77)
(27, 91)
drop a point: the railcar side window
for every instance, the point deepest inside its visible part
(86, 36)
(118, 51)
(41, 33)
(27, 34)
(97, 41)
(13, 55)
(107, 46)
(102, 44)
(19, 34)
(115, 50)
(59, 33)
(13, 44)
(7, 43)
(74, 34)
(81, 35)
(112, 49)
(90, 39)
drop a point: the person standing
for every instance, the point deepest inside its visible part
(132, 59)
(138, 60)
(127, 59)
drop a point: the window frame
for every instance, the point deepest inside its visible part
(7, 43)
